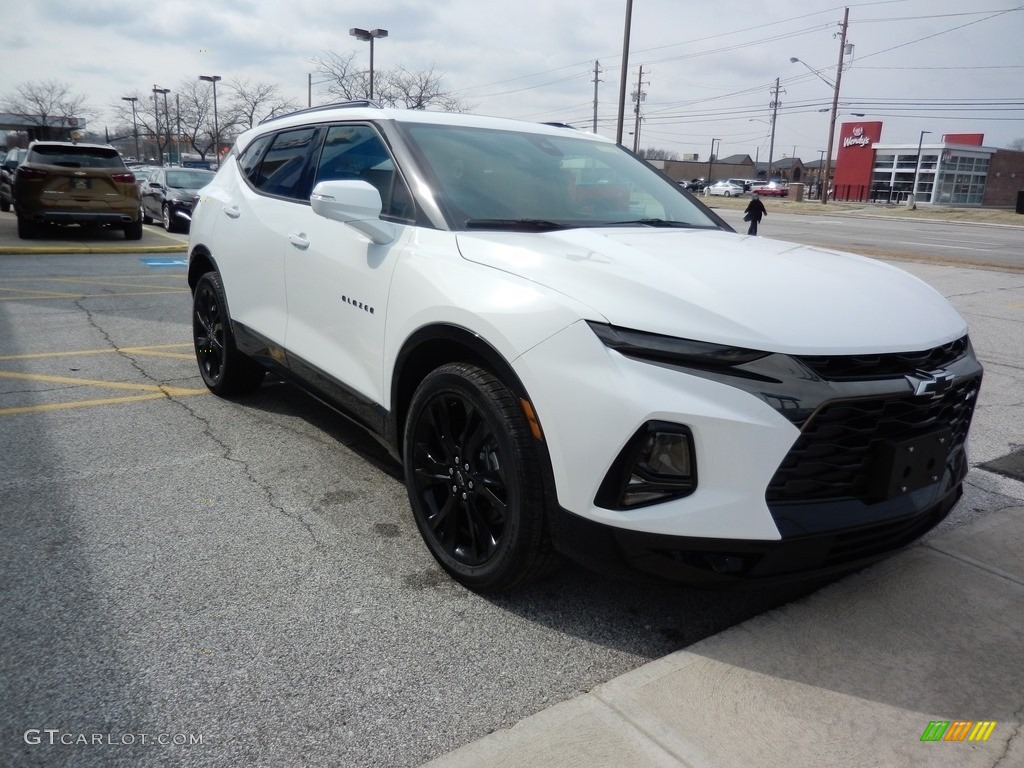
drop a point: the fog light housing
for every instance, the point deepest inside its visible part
(658, 464)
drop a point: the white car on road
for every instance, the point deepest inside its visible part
(725, 189)
(571, 355)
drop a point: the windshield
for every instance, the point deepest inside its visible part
(189, 179)
(487, 178)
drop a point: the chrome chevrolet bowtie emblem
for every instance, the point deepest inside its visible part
(932, 383)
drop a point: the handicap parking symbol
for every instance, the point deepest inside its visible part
(154, 262)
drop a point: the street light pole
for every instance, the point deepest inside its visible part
(135, 123)
(216, 127)
(917, 172)
(364, 34)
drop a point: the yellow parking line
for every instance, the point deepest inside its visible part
(117, 284)
(161, 388)
(82, 279)
(92, 403)
(29, 290)
(151, 350)
(94, 295)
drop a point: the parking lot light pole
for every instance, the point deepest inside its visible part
(216, 127)
(135, 123)
(368, 34)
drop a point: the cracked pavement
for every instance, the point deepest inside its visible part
(249, 571)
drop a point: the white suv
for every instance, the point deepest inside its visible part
(571, 355)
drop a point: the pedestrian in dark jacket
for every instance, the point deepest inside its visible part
(755, 210)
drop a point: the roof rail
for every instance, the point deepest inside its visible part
(365, 103)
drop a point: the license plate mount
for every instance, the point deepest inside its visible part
(905, 466)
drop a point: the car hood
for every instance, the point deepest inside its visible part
(721, 287)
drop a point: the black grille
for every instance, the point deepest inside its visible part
(832, 459)
(838, 368)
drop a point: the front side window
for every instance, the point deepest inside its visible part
(486, 177)
(357, 152)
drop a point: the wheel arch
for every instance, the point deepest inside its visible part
(431, 347)
(200, 262)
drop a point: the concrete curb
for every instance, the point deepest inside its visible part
(98, 248)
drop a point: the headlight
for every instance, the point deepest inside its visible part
(656, 348)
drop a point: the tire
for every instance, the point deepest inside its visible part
(26, 229)
(472, 472)
(5, 205)
(224, 369)
(133, 231)
(727, 193)
(169, 224)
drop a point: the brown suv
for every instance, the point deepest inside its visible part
(66, 183)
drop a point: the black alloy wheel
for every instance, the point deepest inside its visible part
(474, 480)
(224, 369)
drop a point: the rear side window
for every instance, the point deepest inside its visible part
(282, 170)
(76, 157)
(249, 161)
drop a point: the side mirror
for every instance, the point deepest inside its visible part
(356, 203)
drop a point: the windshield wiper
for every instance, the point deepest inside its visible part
(525, 225)
(650, 223)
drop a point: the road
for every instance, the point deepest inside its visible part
(957, 243)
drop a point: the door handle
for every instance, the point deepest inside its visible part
(232, 212)
(299, 241)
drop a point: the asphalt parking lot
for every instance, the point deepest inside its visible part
(244, 577)
(249, 571)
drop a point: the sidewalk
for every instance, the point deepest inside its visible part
(78, 240)
(851, 676)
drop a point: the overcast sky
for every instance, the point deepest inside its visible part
(944, 66)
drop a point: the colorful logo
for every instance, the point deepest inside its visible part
(958, 730)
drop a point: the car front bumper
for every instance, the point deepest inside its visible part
(797, 473)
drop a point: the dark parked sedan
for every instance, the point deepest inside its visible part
(170, 194)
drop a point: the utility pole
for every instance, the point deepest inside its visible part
(597, 79)
(775, 110)
(835, 107)
(638, 96)
(623, 74)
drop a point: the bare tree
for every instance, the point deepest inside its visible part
(400, 87)
(653, 153)
(418, 90)
(1017, 145)
(48, 106)
(339, 76)
(251, 103)
(152, 142)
